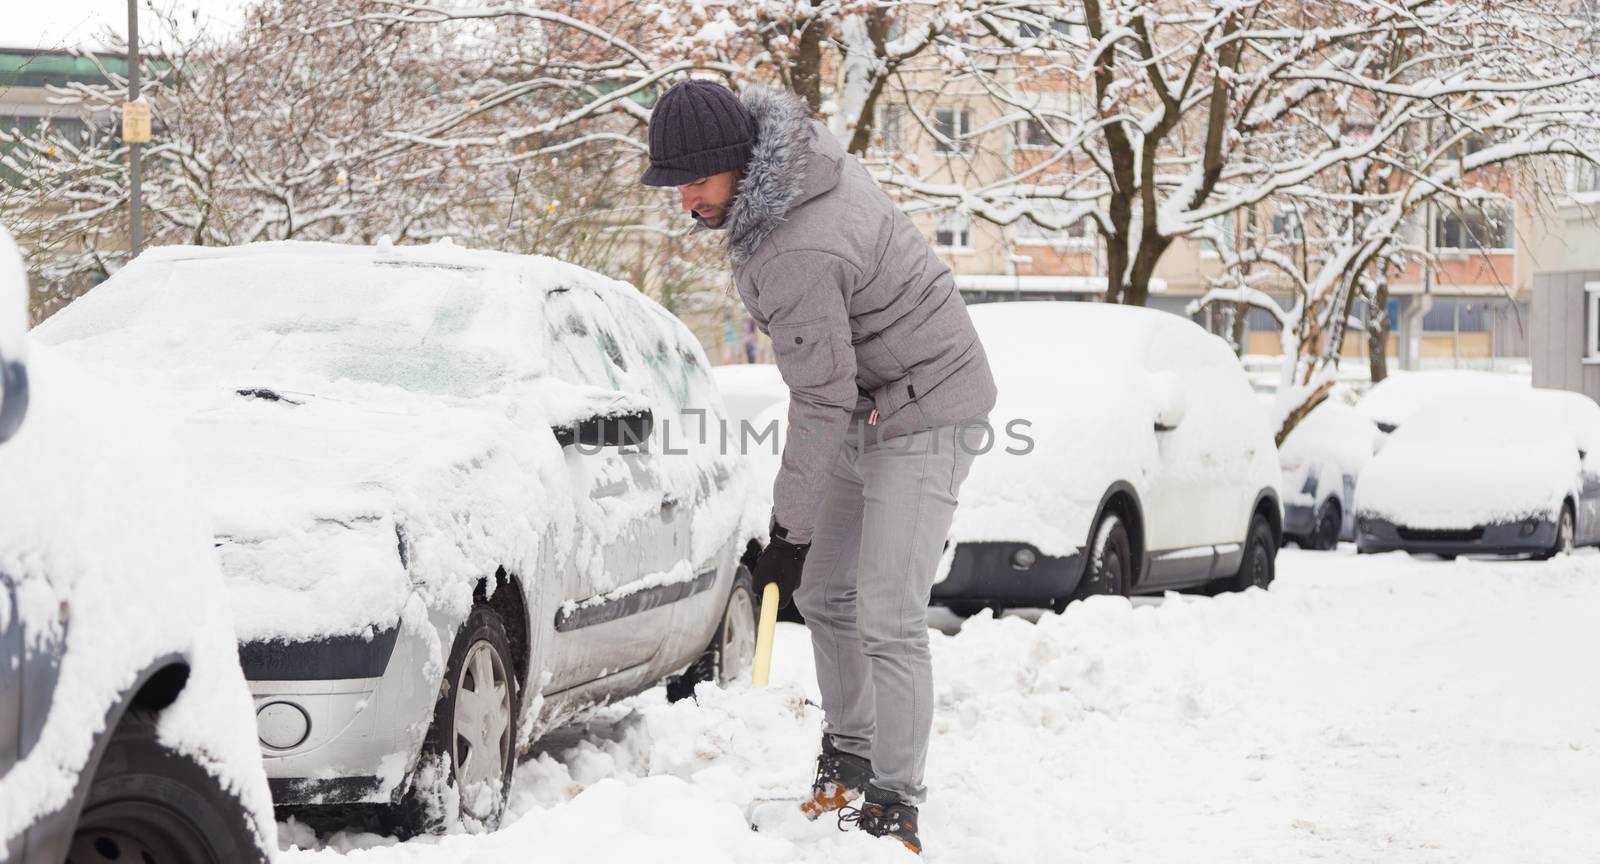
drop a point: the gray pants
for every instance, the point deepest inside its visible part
(884, 518)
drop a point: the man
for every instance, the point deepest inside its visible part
(884, 369)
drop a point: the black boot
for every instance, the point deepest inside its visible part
(884, 815)
(841, 778)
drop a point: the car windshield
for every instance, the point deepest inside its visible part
(258, 320)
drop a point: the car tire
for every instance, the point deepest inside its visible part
(148, 802)
(1109, 569)
(1565, 536)
(733, 647)
(966, 609)
(1258, 567)
(437, 796)
(1325, 531)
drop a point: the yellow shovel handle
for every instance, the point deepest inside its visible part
(768, 622)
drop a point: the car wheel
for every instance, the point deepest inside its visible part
(964, 610)
(1110, 563)
(151, 803)
(1326, 533)
(1257, 568)
(1565, 539)
(733, 647)
(470, 748)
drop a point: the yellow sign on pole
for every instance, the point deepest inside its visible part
(136, 123)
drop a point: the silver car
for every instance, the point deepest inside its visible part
(459, 497)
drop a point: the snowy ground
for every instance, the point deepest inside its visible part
(1366, 709)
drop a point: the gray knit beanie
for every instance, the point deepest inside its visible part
(697, 129)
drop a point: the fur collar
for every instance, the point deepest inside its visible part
(774, 176)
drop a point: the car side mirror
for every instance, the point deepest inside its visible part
(1166, 395)
(624, 428)
(13, 397)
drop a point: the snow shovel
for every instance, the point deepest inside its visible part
(767, 623)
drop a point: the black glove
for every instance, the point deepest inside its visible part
(780, 564)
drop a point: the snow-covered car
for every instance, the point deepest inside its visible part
(748, 389)
(459, 497)
(1321, 460)
(1518, 473)
(1394, 399)
(1129, 456)
(124, 719)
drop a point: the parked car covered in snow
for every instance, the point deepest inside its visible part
(441, 531)
(1515, 474)
(1394, 399)
(1129, 457)
(749, 389)
(124, 719)
(1321, 460)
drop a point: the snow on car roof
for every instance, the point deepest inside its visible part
(1392, 400)
(1055, 331)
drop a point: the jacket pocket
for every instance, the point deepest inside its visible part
(805, 353)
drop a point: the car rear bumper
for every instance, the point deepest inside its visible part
(985, 573)
(1523, 537)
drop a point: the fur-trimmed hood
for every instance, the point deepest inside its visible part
(783, 170)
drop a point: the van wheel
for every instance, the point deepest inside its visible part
(1257, 570)
(1110, 565)
(150, 803)
(464, 773)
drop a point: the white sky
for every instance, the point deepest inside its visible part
(86, 23)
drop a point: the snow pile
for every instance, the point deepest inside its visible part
(1260, 727)
(100, 532)
(1474, 460)
(1391, 401)
(1082, 386)
(1333, 442)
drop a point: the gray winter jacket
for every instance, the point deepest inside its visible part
(861, 313)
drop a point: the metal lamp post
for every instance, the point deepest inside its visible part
(135, 132)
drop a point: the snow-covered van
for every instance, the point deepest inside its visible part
(1514, 472)
(459, 496)
(124, 719)
(1128, 456)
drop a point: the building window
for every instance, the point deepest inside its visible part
(1224, 226)
(1583, 176)
(889, 127)
(1079, 233)
(1056, 26)
(1033, 134)
(1457, 316)
(1591, 298)
(953, 127)
(1286, 225)
(954, 231)
(1484, 226)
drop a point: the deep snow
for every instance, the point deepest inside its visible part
(1378, 708)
